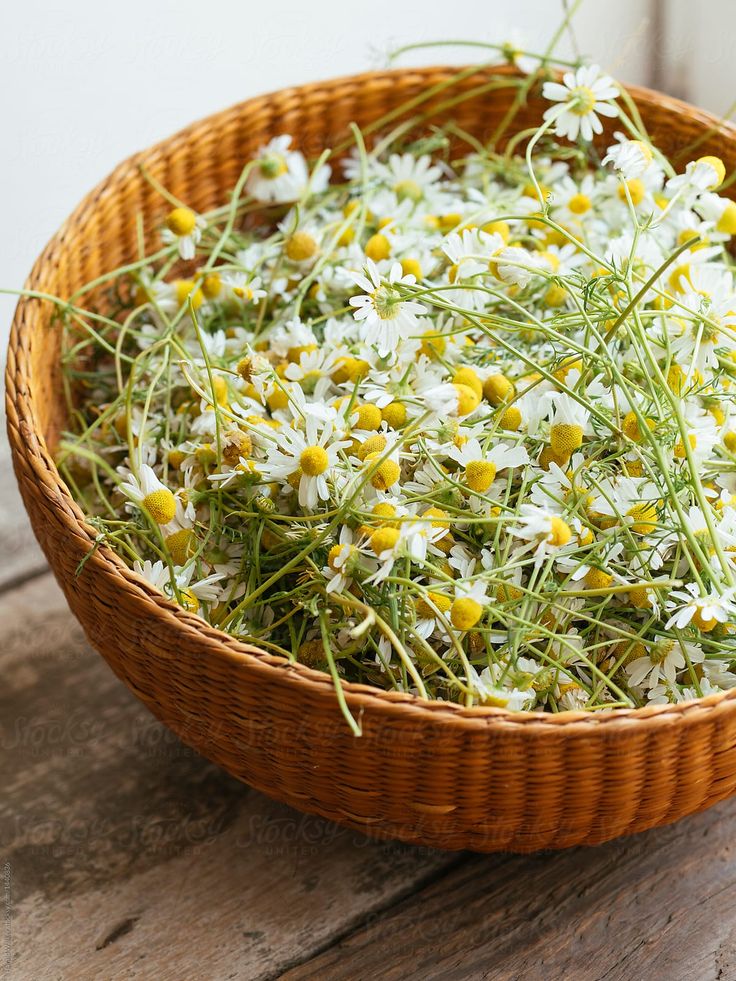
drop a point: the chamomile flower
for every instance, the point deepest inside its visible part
(630, 158)
(692, 607)
(340, 560)
(664, 659)
(150, 494)
(585, 94)
(385, 315)
(481, 466)
(543, 531)
(183, 227)
(281, 174)
(306, 457)
(489, 693)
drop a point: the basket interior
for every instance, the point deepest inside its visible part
(201, 164)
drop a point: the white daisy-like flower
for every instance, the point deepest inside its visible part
(337, 571)
(703, 174)
(149, 493)
(635, 501)
(665, 658)
(184, 227)
(192, 594)
(481, 466)
(516, 266)
(630, 158)
(543, 531)
(281, 175)
(247, 288)
(386, 317)
(489, 693)
(690, 606)
(409, 177)
(586, 94)
(306, 457)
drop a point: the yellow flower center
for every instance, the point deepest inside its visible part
(636, 189)
(272, 166)
(639, 597)
(598, 579)
(220, 390)
(211, 285)
(718, 166)
(729, 441)
(706, 625)
(161, 505)
(548, 456)
(394, 414)
(189, 601)
(582, 100)
(679, 278)
(498, 228)
(432, 344)
(507, 592)
(631, 428)
(314, 461)
(311, 653)
(350, 369)
(497, 389)
(181, 221)
(680, 451)
(383, 539)
(479, 475)
(449, 221)
(301, 246)
(369, 416)
(378, 247)
(385, 475)
(180, 545)
(437, 516)
(411, 267)
(465, 613)
(579, 204)
(565, 438)
(555, 296)
(644, 517)
(467, 400)
(467, 376)
(559, 533)
(186, 288)
(511, 419)
(336, 552)
(726, 224)
(408, 189)
(373, 445)
(442, 603)
(384, 511)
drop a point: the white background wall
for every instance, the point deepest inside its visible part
(83, 84)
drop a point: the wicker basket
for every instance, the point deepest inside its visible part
(424, 772)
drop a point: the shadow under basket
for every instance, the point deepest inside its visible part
(425, 772)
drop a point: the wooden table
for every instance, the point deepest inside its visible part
(126, 855)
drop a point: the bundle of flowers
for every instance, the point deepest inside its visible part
(454, 422)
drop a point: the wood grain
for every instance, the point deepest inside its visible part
(132, 857)
(661, 905)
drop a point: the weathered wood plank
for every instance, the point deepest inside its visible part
(20, 555)
(660, 905)
(132, 857)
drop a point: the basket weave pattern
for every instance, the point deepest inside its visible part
(424, 772)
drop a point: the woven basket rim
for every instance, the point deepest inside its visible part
(359, 696)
